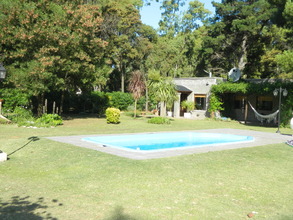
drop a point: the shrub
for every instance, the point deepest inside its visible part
(22, 117)
(113, 115)
(100, 102)
(159, 120)
(120, 100)
(188, 105)
(215, 104)
(13, 98)
(49, 120)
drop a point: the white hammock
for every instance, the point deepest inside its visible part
(262, 118)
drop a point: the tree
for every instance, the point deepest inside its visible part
(50, 44)
(195, 15)
(239, 33)
(163, 89)
(285, 61)
(136, 86)
(119, 28)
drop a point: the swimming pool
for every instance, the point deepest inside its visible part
(165, 141)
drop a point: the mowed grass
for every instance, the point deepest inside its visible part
(44, 179)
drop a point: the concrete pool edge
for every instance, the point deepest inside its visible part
(260, 138)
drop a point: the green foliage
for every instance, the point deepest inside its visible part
(264, 88)
(215, 104)
(13, 98)
(159, 120)
(22, 117)
(113, 115)
(120, 100)
(287, 110)
(50, 45)
(99, 102)
(49, 120)
(285, 61)
(187, 105)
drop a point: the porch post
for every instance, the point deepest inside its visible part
(176, 109)
(246, 110)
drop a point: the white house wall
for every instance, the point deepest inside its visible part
(199, 85)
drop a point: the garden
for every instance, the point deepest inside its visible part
(93, 67)
(51, 180)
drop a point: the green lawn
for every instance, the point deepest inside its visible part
(49, 180)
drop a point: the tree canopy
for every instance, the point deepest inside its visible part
(60, 46)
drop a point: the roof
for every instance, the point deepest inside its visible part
(180, 88)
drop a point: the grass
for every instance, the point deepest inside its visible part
(51, 180)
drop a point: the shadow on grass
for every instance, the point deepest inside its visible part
(118, 214)
(259, 124)
(20, 208)
(69, 117)
(286, 217)
(30, 139)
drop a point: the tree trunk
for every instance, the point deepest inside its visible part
(122, 80)
(135, 104)
(62, 102)
(40, 100)
(146, 99)
(163, 109)
(242, 59)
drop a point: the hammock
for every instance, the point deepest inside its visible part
(262, 118)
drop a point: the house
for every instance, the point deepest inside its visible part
(196, 90)
(237, 106)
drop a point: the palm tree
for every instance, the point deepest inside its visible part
(164, 90)
(136, 86)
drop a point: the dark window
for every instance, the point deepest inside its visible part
(265, 103)
(200, 102)
(239, 102)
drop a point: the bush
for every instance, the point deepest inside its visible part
(188, 105)
(159, 120)
(120, 100)
(100, 102)
(22, 117)
(13, 98)
(49, 120)
(113, 115)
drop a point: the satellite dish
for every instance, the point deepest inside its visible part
(234, 74)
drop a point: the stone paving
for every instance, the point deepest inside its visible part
(260, 138)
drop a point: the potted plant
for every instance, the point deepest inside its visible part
(188, 106)
(169, 107)
(215, 105)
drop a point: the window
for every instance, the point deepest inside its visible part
(200, 102)
(239, 102)
(265, 103)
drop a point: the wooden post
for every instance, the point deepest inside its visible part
(46, 106)
(246, 110)
(54, 106)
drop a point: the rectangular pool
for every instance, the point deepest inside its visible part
(165, 141)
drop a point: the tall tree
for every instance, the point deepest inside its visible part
(120, 27)
(136, 86)
(285, 59)
(239, 31)
(50, 44)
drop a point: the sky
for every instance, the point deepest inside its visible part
(151, 15)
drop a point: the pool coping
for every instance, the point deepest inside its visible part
(260, 138)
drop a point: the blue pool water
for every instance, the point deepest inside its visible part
(164, 141)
